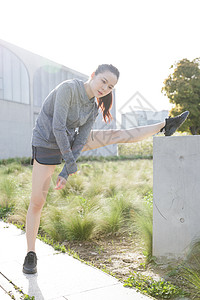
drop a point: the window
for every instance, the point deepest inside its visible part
(46, 79)
(14, 81)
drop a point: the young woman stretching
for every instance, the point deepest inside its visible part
(69, 106)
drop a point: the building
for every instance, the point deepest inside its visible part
(142, 118)
(137, 111)
(25, 81)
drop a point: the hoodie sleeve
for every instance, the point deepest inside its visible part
(82, 136)
(79, 142)
(61, 110)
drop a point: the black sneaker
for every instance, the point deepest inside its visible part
(30, 263)
(172, 124)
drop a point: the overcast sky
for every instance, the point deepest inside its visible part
(142, 38)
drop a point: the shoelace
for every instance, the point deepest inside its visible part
(30, 258)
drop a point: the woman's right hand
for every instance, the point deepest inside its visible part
(60, 184)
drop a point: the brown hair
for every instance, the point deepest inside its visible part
(105, 103)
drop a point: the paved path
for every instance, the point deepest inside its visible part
(59, 277)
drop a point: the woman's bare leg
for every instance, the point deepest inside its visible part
(100, 138)
(41, 179)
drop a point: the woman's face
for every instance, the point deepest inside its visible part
(103, 83)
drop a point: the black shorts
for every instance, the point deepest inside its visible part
(46, 156)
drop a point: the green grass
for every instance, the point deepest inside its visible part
(99, 200)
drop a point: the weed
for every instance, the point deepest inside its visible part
(4, 211)
(100, 249)
(109, 260)
(19, 290)
(105, 270)
(148, 199)
(159, 289)
(27, 297)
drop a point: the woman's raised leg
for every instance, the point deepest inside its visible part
(41, 179)
(100, 138)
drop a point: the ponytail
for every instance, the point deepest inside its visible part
(105, 104)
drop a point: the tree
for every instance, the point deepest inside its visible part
(182, 87)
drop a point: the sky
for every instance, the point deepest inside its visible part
(141, 38)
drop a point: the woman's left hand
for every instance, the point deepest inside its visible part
(60, 184)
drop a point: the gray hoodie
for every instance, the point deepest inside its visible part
(66, 108)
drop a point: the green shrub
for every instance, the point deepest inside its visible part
(80, 227)
(144, 224)
(94, 188)
(53, 222)
(112, 220)
(190, 269)
(17, 160)
(8, 188)
(19, 213)
(7, 193)
(75, 221)
(142, 148)
(192, 277)
(85, 169)
(111, 190)
(116, 214)
(12, 168)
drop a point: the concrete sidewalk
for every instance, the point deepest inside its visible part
(59, 277)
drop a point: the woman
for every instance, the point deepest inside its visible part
(69, 106)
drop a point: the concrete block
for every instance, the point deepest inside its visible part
(176, 194)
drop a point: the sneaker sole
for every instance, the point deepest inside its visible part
(29, 271)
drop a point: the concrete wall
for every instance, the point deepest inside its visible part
(176, 193)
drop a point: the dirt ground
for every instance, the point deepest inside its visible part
(117, 256)
(120, 257)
